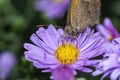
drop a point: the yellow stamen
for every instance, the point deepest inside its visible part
(66, 53)
(110, 38)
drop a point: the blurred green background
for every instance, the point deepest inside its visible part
(18, 20)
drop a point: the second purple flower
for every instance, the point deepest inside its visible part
(52, 8)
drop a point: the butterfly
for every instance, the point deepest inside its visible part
(82, 13)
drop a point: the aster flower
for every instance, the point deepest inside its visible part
(7, 62)
(61, 54)
(108, 30)
(52, 8)
(110, 65)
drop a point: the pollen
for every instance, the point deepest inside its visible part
(110, 38)
(66, 53)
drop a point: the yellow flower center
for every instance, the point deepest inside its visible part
(110, 38)
(67, 53)
(58, 1)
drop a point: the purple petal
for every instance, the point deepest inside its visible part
(97, 72)
(79, 63)
(39, 64)
(36, 53)
(83, 36)
(108, 24)
(63, 73)
(92, 62)
(46, 37)
(116, 41)
(91, 44)
(7, 62)
(115, 74)
(105, 74)
(54, 34)
(41, 44)
(51, 8)
(60, 32)
(34, 38)
(84, 69)
(104, 31)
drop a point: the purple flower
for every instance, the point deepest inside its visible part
(52, 8)
(110, 65)
(7, 62)
(108, 30)
(61, 54)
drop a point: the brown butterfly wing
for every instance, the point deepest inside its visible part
(82, 13)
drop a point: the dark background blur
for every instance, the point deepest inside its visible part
(18, 20)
